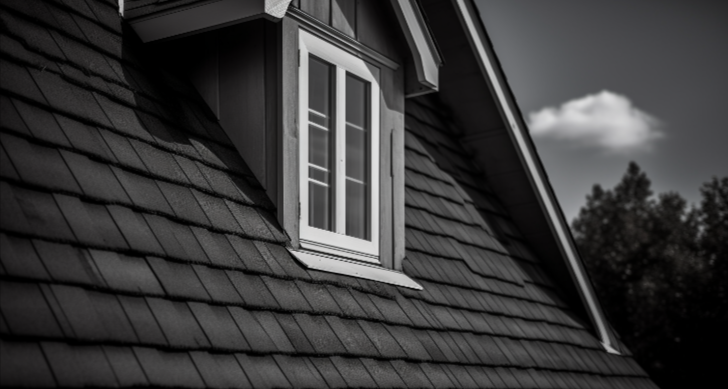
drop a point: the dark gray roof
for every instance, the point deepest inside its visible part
(141, 8)
(137, 249)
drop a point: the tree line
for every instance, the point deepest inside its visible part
(660, 269)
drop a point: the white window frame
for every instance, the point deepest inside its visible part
(328, 241)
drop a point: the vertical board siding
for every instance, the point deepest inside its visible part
(391, 156)
(319, 9)
(242, 84)
(202, 69)
(288, 199)
(343, 16)
(272, 66)
(378, 28)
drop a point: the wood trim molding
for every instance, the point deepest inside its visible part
(204, 16)
(426, 56)
(318, 261)
(477, 35)
(315, 27)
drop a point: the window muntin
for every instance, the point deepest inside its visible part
(339, 151)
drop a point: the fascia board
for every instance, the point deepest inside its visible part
(474, 30)
(204, 16)
(426, 57)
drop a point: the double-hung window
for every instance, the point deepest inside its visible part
(338, 151)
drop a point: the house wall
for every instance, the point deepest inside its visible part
(235, 70)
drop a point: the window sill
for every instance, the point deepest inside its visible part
(321, 262)
(337, 252)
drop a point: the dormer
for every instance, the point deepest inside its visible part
(313, 99)
(138, 248)
(312, 94)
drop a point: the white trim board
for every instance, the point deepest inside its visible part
(202, 16)
(324, 31)
(468, 16)
(427, 61)
(344, 63)
(317, 261)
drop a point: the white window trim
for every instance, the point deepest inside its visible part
(313, 238)
(357, 269)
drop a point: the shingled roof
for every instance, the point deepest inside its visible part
(137, 249)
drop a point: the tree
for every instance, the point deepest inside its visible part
(659, 268)
(714, 240)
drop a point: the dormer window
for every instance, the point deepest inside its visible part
(338, 151)
(322, 129)
(350, 198)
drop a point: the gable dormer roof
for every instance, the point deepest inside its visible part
(155, 20)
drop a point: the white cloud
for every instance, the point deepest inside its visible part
(604, 120)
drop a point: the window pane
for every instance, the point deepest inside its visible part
(356, 101)
(319, 90)
(318, 174)
(320, 143)
(357, 158)
(319, 146)
(319, 206)
(357, 213)
(356, 150)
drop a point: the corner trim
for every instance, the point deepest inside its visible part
(477, 35)
(345, 267)
(427, 59)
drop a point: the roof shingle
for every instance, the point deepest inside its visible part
(140, 250)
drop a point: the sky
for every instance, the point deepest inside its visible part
(605, 83)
